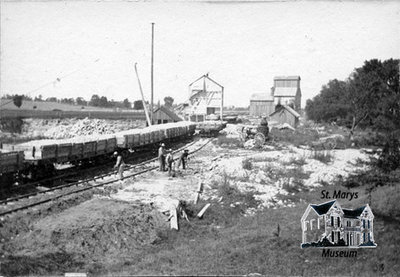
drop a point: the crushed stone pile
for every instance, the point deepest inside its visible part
(72, 127)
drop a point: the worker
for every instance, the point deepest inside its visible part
(183, 159)
(119, 164)
(161, 157)
(170, 162)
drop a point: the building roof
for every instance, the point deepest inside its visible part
(287, 78)
(261, 97)
(169, 113)
(285, 91)
(353, 213)
(289, 109)
(323, 208)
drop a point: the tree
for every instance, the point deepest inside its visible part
(138, 105)
(52, 99)
(127, 104)
(17, 100)
(103, 102)
(370, 97)
(168, 101)
(81, 101)
(95, 100)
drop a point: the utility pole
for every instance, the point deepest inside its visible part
(152, 68)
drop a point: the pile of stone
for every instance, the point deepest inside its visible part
(88, 127)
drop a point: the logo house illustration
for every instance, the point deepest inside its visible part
(329, 225)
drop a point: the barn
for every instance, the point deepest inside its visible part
(285, 114)
(261, 104)
(164, 115)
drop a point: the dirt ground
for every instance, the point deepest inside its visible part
(111, 224)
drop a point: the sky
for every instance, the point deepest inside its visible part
(80, 48)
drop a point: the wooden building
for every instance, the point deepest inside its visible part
(287, 91)
(261, 104)
(206, 97)
(285, 114)
(164, 115)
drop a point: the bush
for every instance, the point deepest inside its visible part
(322, 156)
(301, 136)
(247, 164)
(389, 159)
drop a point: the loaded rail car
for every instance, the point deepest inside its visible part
(10, 162)
(210, 128)
(36, 158)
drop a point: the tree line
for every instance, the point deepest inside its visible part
(95, 101)
(368, 98)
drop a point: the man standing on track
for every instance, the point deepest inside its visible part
(170, 162)
(183, 159)
(161, 157)
(119, 164)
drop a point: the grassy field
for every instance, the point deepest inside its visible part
(226, 243)
(31, 109)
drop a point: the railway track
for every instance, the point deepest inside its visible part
(85, 182)
(69, 173)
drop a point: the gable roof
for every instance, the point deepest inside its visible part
(323, 208)
(261, 97)
(285, 91)
(353, 213)
(169, 113)
(289, 109)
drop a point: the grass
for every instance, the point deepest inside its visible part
(322, 156)
(251, 245)
(298, 161)
(301, 136)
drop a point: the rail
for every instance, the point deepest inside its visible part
(89, 180)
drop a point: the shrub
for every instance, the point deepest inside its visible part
(301, 136)
(299, 161)
(322, 156)
(247, 164)
(389, 159)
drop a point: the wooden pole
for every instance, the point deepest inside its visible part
(222, 102)
(152, 69)
(141, 91)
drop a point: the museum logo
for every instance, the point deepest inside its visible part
(328, 225)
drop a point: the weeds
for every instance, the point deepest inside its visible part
(247, 164)
(301, 136)
(322, 156)
(299, 161)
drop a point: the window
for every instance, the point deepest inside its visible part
(348, 223)
(363, 223)
(338, 221)
(332, 221)
(368, 224)
(364, 237)
(333, 236)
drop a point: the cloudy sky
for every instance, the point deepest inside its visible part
(91, 47)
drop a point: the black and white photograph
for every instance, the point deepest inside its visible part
(199, 138)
